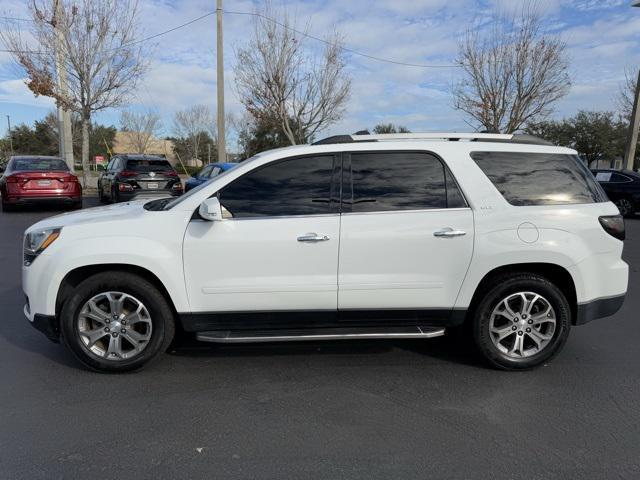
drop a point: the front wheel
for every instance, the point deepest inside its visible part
(522, 322)
(116, 322)
(101, 197)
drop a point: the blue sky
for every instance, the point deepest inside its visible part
(603, 38)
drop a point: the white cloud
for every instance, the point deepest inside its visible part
(602, 37)
(16, 91)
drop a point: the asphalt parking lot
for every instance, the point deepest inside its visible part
(347, 410)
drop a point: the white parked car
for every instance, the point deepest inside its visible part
(361, 236)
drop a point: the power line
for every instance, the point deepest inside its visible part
(178, 27)
(16, 19)
(354, 52)
(269, 19)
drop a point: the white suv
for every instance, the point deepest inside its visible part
(357, 236)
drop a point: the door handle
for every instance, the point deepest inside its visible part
(313, 238)
(449, 232)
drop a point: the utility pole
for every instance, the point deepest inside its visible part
(10, 136)
(222, 156)
(65, 140)
(634, 127)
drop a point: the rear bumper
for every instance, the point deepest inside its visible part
(124, 196)
(599, 308)
(40, 199)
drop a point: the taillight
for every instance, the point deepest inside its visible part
(613, 225)
(171, 173)
(17, 179)
(125, 187)
(128, 173)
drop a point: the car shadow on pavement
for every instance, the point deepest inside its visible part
(16, 330)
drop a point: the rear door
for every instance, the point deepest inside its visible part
(406, 233)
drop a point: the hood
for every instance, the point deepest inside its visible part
(95, 215)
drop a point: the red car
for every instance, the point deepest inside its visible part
(38, 179)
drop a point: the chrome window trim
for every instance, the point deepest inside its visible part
(242, 219)
(423, 210)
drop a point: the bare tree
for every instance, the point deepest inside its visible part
(627, 93)
(141, 127)
(194, 124)
(96, 46)
(277, 79)
(513, 72)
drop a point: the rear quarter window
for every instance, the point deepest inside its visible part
(540, 178)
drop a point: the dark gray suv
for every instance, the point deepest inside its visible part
(130, 176)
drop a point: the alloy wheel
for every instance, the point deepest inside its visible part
(522, 324)
(114, 325)
(625, 207)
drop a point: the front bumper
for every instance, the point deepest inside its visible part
(47, 324)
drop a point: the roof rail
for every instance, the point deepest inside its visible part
(453, 137)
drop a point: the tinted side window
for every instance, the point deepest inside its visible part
(399, 181)
(539, 178)
(204, 173)
(618, 178)
(300, 186)
(215, 171)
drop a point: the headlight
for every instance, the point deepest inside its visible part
(37, 241)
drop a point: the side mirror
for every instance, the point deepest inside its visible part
(211, 209)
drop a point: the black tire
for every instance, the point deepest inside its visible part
(625, 206)
(161, 314)
(76, 205)
(114, 195)
(101, 197)
(508, 285)
(7, 207)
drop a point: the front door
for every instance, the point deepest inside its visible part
(406, 235)
(278, 250)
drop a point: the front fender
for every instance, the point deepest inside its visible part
(162, 260)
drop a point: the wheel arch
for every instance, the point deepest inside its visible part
(555, 273)
(74, 277)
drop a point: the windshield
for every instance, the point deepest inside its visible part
(35, 164)
(195, 190)
(148, 165)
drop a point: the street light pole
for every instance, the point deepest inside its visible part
(9, 132)
(222, 157)
(634, 124)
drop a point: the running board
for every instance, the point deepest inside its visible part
(307, 334)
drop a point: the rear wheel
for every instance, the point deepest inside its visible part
(114, 195)
(116, 322)
(7, 207)
(625, 206)
(522, 322)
